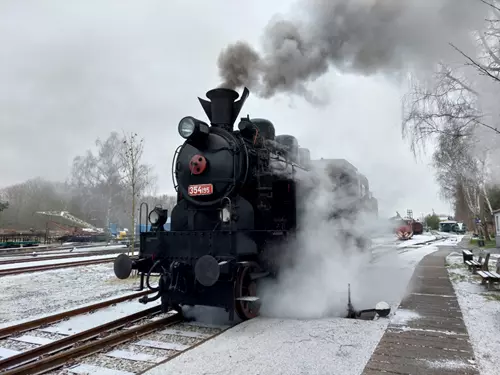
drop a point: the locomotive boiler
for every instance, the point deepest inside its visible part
(236, 201)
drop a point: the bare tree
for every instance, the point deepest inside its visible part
(457, 97)
(462, 177)
(97, 179)
(458, 109)
(487, 63)
(446, 106)
(137, 177)
(28, 197)
(100, 186)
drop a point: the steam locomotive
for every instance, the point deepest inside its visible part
(236, 202)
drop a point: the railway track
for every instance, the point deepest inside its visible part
(30, 259)
(76, 352)
(28, 250)
(47, 267)
(32, 324)
(377, 257)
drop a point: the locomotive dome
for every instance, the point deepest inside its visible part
(266, 128)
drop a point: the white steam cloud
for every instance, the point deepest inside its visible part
(320, 262)
(357, 36)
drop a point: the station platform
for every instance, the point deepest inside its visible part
(428, 335)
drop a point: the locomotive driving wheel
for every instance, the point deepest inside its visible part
(245, 293)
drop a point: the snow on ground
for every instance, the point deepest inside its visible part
(55, 261)
(81, 323)
(384, 241)
(269, 346)
(417, 239)
(402, 317)
(480, 309)
(275, 346)
(32, 294)
(387, 278)
(453, 240)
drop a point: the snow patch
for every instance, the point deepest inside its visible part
(285, 346)
(26, 296)
(480, 312)
(452, 240)
(85, 322)
(417, 239)
(402, 317)
(449, 333)
(450, 364)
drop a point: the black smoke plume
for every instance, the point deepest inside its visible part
(355, 36)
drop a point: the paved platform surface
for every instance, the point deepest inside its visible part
(265, 346)
(427, 335)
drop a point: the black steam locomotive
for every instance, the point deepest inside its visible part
(236, 198)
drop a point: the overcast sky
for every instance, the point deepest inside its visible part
(72, 71)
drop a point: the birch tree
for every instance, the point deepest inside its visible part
(137, 177)
(462, 177)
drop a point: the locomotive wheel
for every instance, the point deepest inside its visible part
(245, 287)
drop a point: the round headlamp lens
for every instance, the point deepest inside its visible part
(186, 127)
(153, 217)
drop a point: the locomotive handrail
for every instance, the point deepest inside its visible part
(140, 215)
(247, 162)
(174, 159)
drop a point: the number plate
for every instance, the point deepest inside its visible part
(204, 189)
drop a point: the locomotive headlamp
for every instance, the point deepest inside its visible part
(154, 216)
(190, 127)
(158, 217)
(187, 127)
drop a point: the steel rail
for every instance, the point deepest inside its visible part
(47, 267)
(28, 251)
(32, 324)
(9, 251)
(58, 360)
(78, 338)
(63, 256)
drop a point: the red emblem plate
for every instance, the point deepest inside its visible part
(203, 189)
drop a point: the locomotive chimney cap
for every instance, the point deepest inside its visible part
(222, 109)
(222, 93)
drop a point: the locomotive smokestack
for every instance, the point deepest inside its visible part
(222, 110)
